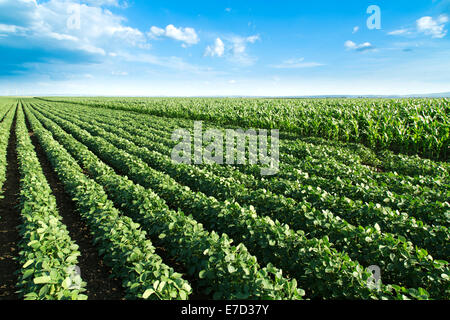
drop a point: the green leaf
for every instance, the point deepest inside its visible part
(43, 279)
(28, 273)
(186, 287)
(148, 293)
(231, 269)
(27, 264)
(161, 285)
(183, 295)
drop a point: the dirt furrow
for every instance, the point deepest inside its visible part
(9, 222)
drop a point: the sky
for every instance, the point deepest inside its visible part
(224, 48)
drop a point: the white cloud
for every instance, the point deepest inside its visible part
(239, 47)
(130, 35)
(92, 49)
(252, 39)
(355, 29)
(233, 48)
(239, 44)
(399, 32)
(435, 28)
(350, 44)
(119, 73)
(366, 46)
(175, 63)
(99, 3)
(296, 64)
(156, 32)
(107, 3)
(217, 49)
(9, 28)
(60, 36)
(187, 35)
(46, 24)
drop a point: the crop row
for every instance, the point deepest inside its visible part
(401, 262)
(405, 203)
(385, 160)
(314, 147)
(430, 212)
(418, 126)
(224, 270)
(47, 254)
(425, 187)
(322, 162)
(307, 159)
(4, 110)
(433, 238)
(413, 165)
(312, 261)
(120, 241)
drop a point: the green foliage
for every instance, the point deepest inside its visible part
(223, 270)
(47, 251)
(344, 198)
(308, 260)
(366, 245)
(121, 241)
(417, 126)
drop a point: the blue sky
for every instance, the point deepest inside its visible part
(191, 48)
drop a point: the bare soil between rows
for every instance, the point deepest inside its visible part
(9, 222)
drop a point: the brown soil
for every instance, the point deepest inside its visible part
(9, 222)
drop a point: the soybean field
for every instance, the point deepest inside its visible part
(93, 205)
